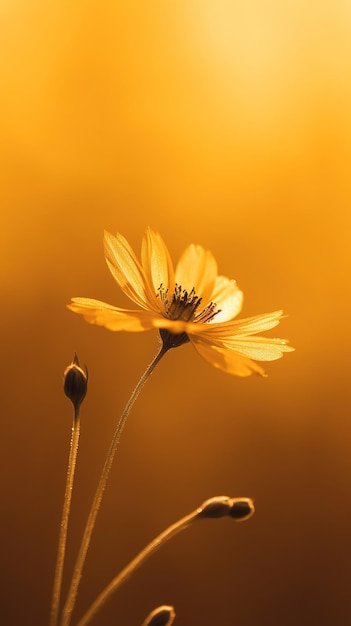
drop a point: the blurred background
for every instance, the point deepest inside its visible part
(223, 123)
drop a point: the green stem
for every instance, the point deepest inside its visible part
(56, 594)
(77, 574)
(135, 563)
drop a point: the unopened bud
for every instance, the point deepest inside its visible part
(162, 616)
(221, 506)
(215, 507)
(242, 509)
(75, 383)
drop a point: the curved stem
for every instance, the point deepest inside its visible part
(135, 563)
(56, 594)
(77, 574)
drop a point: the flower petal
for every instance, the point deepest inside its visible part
(103, 314)
(227, 331)
(228, 298)
(125, 268)
(157, 266)
(197, 268)
(176, 327)
(259, 348)
(227, 360)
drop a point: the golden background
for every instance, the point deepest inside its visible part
(223, 123)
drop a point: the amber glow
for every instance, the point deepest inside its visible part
(228, 125)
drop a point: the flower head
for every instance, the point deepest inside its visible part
(190, 302)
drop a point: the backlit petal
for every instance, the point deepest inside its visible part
(174, 326)
(228, 298)
(103, 314)
(243, 327)
(125, 268)
(259, 348)
(157, 266)
(227, 360)
(197, 268)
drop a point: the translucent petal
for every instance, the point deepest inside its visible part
(197, 268)
(174, 326)
(103, 314)
(157, 265)
(226, 360)
(125, 268)
(228, 298)
(244, 327)
(259, 348)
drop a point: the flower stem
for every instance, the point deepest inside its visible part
(77, 574)
(239, 509)
(135, 563)
(65, 517)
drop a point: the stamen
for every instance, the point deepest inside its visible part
(208, 313)
(163, 295)
(184, 305)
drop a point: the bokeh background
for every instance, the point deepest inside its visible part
(223, 123)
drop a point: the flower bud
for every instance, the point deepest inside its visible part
(241, 509)
(75, 383)
(218, 506)
(162, 616)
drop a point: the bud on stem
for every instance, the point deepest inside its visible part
(75, 383)
(162, 616)
(239, 509)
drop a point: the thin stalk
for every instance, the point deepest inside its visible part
(135, 563)
(77, 573)
(72, 459)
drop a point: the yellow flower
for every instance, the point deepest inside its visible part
(189, 303)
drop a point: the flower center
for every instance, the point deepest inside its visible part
(184, 305)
